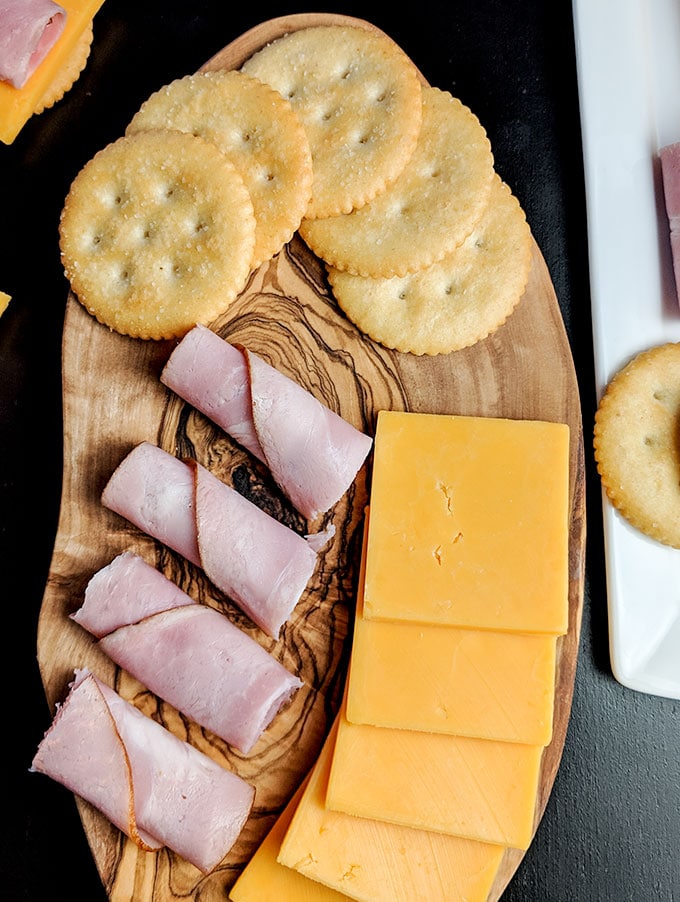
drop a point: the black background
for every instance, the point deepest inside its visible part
(611, 831)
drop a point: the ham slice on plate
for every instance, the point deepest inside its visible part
(260, 563)
(156, 788)
(187, 653)
(670, 174)
(313, 453)
(28, 31)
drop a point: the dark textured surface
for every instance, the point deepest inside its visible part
(611, 827)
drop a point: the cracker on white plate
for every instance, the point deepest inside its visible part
(636, 435)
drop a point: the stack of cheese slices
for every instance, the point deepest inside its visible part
(432, 768)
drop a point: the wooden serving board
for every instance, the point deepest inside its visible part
(113, 399)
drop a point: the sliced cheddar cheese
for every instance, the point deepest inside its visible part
(447, 680)
(17, 105)
(265, 880)
(467, 682)
(374, 861)
(473, 788)
(469, 523)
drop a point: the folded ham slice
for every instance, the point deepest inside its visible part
(313, 454)
(156, 788)
(187, 653)
(28, 31)
(126, 591)
(260, 563)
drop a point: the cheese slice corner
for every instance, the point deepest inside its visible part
(17, 105)
(375, 861)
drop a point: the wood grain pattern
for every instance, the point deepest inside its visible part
(113, 399)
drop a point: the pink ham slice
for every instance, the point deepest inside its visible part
(670, 173)
(257, 561)
(185, 652)
(263, 565)
(126, 591)
(313, 453)
(156, 492)
(28, 31)
(156, 788)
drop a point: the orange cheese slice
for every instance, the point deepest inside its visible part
(265, 880)
(447, 680)
(467, 682)
(474, 788)
(17, 105)
(469, 523)
(377, 861)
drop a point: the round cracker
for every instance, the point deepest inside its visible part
(428, 211)
(453, 303)
(260, 133)
(637, 425)
(358, 96)
(157, 234)
(69, 72)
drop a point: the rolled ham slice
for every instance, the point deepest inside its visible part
(260, 563)
(313, 453)
(156, 788)
(126, 591)
(186, 653)
(28, 31)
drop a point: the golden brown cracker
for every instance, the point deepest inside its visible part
(358, 96)
(453, 303)
(69, 73)
(428, 211)
(157, 233)
(260, 133)
(636, 442)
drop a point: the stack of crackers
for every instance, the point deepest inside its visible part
(330, 132)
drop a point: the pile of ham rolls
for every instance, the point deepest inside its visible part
(188, 653)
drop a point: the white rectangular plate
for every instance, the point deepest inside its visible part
(628, 61)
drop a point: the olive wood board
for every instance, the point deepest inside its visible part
(113, 399)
